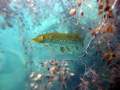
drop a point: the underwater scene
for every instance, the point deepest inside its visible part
(59, 45)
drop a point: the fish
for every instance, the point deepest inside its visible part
(61, 40)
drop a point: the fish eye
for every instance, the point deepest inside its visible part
(43, 37)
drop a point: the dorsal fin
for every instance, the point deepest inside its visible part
(78, 32)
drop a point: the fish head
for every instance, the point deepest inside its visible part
(38, 39)
(42, 38)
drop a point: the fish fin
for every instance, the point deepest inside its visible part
(76, 48)
(44, 45)
(68, 50)
(62, 49)
(82, 39)
(78, 32)
(51, 51)
(82, 45)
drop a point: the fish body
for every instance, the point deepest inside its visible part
(60, 39)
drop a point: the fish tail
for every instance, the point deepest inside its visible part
(82, 39)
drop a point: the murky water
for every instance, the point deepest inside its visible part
(78, 46)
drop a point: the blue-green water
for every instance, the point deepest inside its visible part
(22, 20)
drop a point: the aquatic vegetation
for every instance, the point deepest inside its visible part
(52, 73)
(77, 11)
(86, 60)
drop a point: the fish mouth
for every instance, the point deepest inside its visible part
(36, 41)
(32, 40)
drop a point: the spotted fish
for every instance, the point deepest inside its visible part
(61, 40)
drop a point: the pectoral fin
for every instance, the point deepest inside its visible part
(62, 49)
(68, 50)
(51, 51)
(44, 45)
(76, 48)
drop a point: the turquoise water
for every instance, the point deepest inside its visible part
(87, 69)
